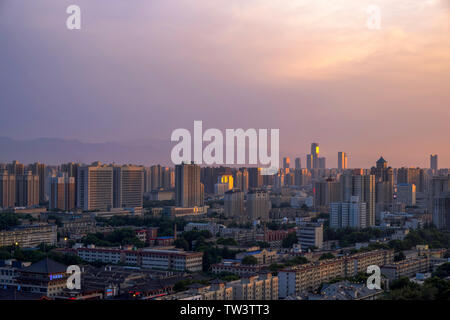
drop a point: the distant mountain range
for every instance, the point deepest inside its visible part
(56, 151)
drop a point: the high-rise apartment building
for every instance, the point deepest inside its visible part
(326, 192)
(441, 211)
(95, 187)
(384, 176)
(168, 178)
(438, 185)
(38, 169)
(62, 193)
(128, 186)
(309, 162)
(27, 190)
(258, 205)
(156, 177)
(241, 180)
(415, 176)
(234, 203)
(254, 178)
(298, 163)
(147, 179)
(342, 160)
(322, 163)
(71, 170)
(15, 168)
(406, 193)
(7, 189)
(188, 188)
(352, 214)
(302, 177)
(356, 183)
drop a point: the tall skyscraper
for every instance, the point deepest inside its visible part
(27, 190)
(7, 189)
(342, 160)
(95, 187)
(298, 163)
(312, 159)
(188, 188)
(62, 193)
(434, 163)
(286, 163)
(128, 186)
(384, 176)
(258, 205)
(315, 154)
(234, 204)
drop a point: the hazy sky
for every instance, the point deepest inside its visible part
(140, 69)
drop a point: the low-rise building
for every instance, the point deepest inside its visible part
(310, 276)
(213, 228)
(235, 267)
(343, 290)
(29, 236)
(46, 277)
(263, 256)
(145, 258)
(263, 286)
(406, 268)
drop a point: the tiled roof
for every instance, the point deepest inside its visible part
(46, 266)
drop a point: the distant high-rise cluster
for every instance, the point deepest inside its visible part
(355, 197)
(20, 185)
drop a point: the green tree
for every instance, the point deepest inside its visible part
(327, 255)
(249, 260)
(290, 240)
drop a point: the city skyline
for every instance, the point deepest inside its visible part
(310, 68)
(141, 153)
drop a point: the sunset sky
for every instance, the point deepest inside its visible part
(139, 69)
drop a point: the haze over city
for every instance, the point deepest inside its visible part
(310, 68)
